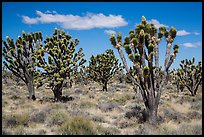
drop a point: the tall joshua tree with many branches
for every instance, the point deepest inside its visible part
(62, 61)
(20, 58)
(142, 47)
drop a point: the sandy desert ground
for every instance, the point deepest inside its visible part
(93, 111)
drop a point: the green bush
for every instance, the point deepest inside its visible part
(57, 118)
(77, 126)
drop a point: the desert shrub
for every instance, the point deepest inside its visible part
(77, 112)
(6, 132)
(57, 106)
(107, 130)
(137, 112)
(122, 100)
(15, 97)
(126, 124)
(38, 116)
(77, 126)
(196, 105)
(12, 120)
(9, 121)
(20, 130)
(78, 91)
(145, 129)
(4, 103)
(187, 129)
(105, 106)
(119, 86)
(170, 113)
(57, 118)
(194, 115)
(98, 118)
(41, 132)
(86, 104)
(22, 118)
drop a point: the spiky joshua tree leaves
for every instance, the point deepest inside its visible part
(142, 48)
(103, 67)
(20, 57)
(62, 60)
(190, 75)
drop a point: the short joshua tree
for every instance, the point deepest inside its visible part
(20, 58)
(103, 67)
(62, 60)
(174, 79)
(190, 75)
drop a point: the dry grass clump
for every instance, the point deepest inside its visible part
(20, 130)
(86, 104)
(185, 128)
(38, 116)
(99, 118)
(107, 130)
(14, 119)
(122, 99)
(77, 126)
(57, 118)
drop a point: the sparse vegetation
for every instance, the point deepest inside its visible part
(83, 109)
(77, 126)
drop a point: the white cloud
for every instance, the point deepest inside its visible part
(199, 43)
(196, 33)
(48, 11)
(28, 20)
(156, 23)
(109, 32)
(182, 33)
(69, 21)
(192, 45)
(189, 45)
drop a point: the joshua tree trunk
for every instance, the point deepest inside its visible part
(104, 85)
(177, 86)
(57, 95)
(193, 93)
(57, 92)
(152, 115)
(31, 90)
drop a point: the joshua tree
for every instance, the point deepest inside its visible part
(4, 74)
(103, 67)
(62, 61)
(120, 76)
(80, 76)
(142, 49)
(190, 75)
(174, 79)
(20, 58)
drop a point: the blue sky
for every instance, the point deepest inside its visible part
(91, 22)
